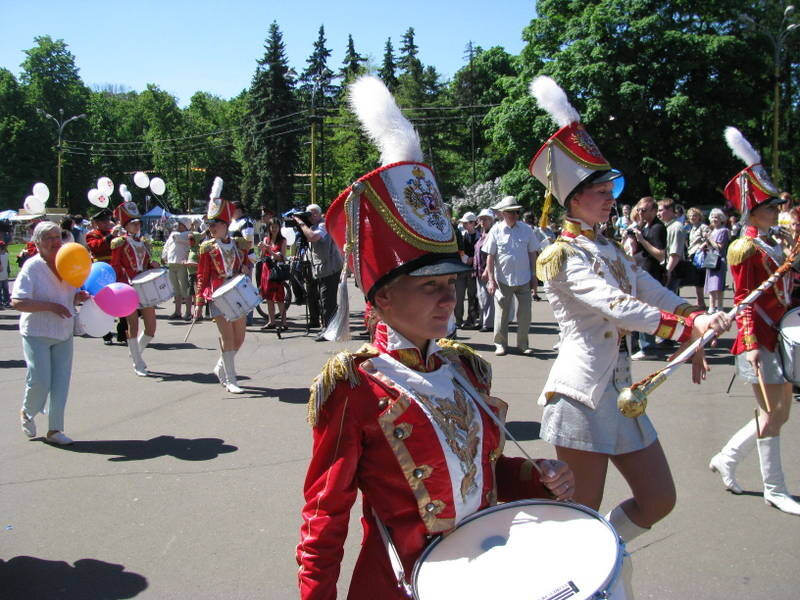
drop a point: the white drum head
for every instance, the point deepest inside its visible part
(532, 550)
(790, 325)
(150, 275)
(233, 283)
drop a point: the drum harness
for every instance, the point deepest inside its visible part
(391, 549)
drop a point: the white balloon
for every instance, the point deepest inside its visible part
(105, 185)
(41, 191)
(289, 235)
(141, 179)
(34, 205)
(94, 321)
(158, 186)
(98, 198)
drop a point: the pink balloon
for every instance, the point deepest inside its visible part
(117, 299)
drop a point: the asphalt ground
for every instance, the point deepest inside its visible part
(176, 489)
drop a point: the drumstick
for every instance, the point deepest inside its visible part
(758, 429)
(763, 389)
(190, 330)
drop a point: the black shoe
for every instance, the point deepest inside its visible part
(485, 329)
(321, 338)
(108, 339)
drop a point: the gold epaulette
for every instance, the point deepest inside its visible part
(117, 242)
(740, 250)
(342, 366)
(480, 366)
(206, 246)
(553, 258)
(242, 243)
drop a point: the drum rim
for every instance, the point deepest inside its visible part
(158, 272)
(607, 584)
(230, 281)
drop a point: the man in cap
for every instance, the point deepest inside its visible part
(512, 249)
(98, 240)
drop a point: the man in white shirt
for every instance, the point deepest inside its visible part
(512, 248)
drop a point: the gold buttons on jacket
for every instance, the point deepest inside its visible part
(402, 431)
(422, 472)
(383, 402)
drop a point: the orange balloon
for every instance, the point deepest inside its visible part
(73, 264)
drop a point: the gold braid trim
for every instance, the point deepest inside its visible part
(480, 366)
(553, 258)
(740, 250)
(117, 242)
(340, 367)
(206, 246)
(686, 309)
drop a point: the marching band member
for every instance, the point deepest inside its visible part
(753, 258)
(599, 295)
(221, 258)
(405, 418)
(130, 255)
(98, 240)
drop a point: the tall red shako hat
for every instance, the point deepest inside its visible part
(570, 157)
(219, 209)
(127, 210)
(391, 221)
(751, 186)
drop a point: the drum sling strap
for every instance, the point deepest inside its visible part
(391, 549)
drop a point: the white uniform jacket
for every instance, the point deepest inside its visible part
(599, 294)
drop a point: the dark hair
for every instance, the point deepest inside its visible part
(279, 238)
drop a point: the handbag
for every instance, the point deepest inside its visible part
(711, 261)
(698, 258)
(278, 271)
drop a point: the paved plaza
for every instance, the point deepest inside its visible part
(175, 489)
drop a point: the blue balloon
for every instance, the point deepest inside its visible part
(100, 275)
(618, 184)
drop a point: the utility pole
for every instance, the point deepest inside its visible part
(60, 124)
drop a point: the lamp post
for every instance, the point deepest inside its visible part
(60, 124)
(777, 38)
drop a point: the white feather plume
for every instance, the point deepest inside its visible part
(741, 147)
(216, 188)
(123, 191)
(383, 122)
(552, 99)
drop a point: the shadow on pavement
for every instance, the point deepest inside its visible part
(288, 395)
(195, 377)
(524, 431)
(12, 364)
(175, 346)
(32, 578)
(164, 445)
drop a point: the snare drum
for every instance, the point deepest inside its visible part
(153, 287)
(529, 549)
(236, 298)
(789, 345)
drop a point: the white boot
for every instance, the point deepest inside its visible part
(219, 371)
(775, 492)
(230, 371)
(739, 446)
(144, 341)
(139, 366)
(626, 529)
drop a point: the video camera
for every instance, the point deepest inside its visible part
(303, 215)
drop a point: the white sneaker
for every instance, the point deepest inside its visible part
(232, 388)
(642, 355)
(499, 350)
(59, 439)
(28, 424)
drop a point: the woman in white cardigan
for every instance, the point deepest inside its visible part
(46, 325)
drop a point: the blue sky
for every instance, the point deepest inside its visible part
(200, 45)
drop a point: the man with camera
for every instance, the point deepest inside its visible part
(326, 267)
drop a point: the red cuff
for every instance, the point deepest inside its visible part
(675, 327)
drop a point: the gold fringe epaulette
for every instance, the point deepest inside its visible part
(342, 366)
(242, 243)
(117, 242)
(480, 366)
(206, 246)
(553, 258)
(740, 250)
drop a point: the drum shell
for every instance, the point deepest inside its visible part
(236, 298)
(153, 287)
(789, 345)
(615, 585)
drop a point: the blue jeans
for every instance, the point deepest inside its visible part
(5, 297)
(49, 371)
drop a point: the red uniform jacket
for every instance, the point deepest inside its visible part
(750, 266)
(372, 437)
(99, 244)
(123, 259)
(211, 267)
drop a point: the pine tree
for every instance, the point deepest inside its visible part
(411, 84)
(316, 81)
(388, 69)
(271, 146)
(353, 63)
